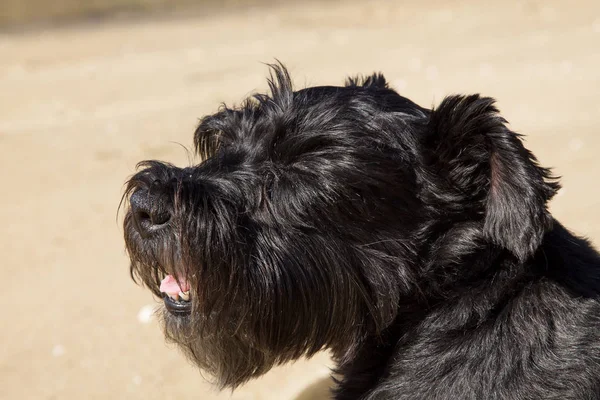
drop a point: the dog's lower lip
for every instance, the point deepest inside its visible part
(177, 308)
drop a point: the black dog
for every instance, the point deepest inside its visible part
(414, 244)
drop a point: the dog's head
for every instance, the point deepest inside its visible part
(316, 215)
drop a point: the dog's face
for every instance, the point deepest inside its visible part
(317, 216)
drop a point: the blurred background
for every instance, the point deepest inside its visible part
(89, 88)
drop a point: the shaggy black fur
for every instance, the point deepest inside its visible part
(414, 244)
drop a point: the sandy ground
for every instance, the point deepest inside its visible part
(80, 106)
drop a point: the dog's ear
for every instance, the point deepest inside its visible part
(487, 165)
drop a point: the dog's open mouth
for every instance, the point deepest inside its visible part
(176, 295)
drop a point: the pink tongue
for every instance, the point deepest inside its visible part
(170, 286)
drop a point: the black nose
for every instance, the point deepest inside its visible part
(149, 212)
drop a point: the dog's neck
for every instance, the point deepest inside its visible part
(498, 288)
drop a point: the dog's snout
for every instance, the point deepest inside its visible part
(149, 212)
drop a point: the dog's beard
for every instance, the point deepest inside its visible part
(223, 351)
(215, 335)
(232, 332)
(261, 300)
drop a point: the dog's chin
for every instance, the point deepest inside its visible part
(228, 357)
